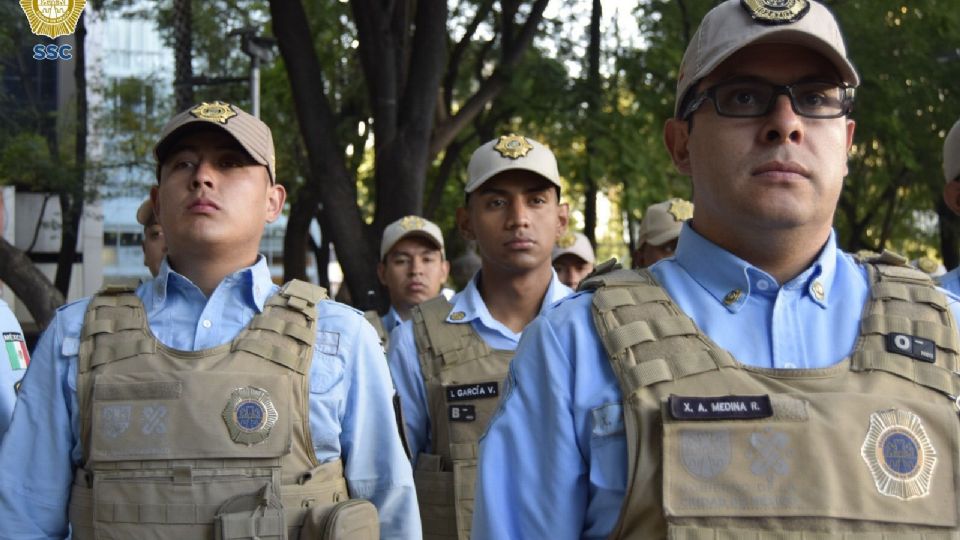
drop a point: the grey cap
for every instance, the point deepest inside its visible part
(410, 226)
(662, 221)
(736, 24)
(510, 152)
(252, 134)
(951, 153)
(574, 244)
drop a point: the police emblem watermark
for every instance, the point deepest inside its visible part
(776, 11)
(513, 146)
(53, 18)
(217, 111)
(250, 415)
(705, 454)
(680, 209)
(899, 454)
(115, 420)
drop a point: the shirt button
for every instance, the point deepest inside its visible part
(763, 284)
(206, 323)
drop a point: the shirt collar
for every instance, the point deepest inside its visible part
(731, 280)
(254, 280)
(469, 305)
(391, 320)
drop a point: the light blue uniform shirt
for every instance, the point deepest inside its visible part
(350, 401)
(951, 281)
(391, 320)
(553, 462)
(405, 364)
(12, 366)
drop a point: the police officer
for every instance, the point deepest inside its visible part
(573, 259)
(206, 402)
(15, 346)
(412, 267)
(449, 360)
(659, 231)
(951, 194)
(737, 381)
(153, 245)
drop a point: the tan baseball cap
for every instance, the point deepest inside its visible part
(510, 152)
(410, 226)
(252, 134)
(735, 24)
(574, 244)
(951, 153)
(662, 221)
(145, 213)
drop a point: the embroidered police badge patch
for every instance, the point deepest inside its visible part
(249, 415)
(513, 146)
(217, 111)
(899, 454)
(776, 11)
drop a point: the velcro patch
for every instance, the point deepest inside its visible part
(720, 407)
(466, 392)
(912, 346)
(462, 413)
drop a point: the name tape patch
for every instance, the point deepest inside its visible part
(462, 413)
(720, 408)
(466, 392)
(912, 346)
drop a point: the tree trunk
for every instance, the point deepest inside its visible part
(949, 235)
(71, 200)
(183, 53)
(593, 118)
(29, 284)
(295, 241)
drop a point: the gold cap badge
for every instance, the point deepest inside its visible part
(680, 209)
(566, 240)
(217, 111)
(776, 11)
(53, 18)
(412, 223)
(513, 146)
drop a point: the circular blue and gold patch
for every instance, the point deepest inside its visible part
(249, 415)
(899, 454)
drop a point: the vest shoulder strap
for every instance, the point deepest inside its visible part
(645, 334)
(374, 319)
(441, 344)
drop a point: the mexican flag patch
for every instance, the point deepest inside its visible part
(16, 350)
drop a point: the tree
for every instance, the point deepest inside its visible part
(402, 49)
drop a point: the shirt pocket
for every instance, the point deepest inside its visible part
(608, 448)
(326, 403)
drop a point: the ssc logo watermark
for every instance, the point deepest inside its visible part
(52, 18)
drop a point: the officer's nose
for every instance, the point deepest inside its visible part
(783, 124)
(203, 175)
(519, 214)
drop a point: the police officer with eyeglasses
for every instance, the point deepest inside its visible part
(761, 383)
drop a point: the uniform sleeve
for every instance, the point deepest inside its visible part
(408, 377)
(37, 450)
(532, 479)
(13, 363)
(376, 465)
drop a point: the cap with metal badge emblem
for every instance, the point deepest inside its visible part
(410, 226)
(735, 24)
(510, 152)
(250, 132)
(574, 244)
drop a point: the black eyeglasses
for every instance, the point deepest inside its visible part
(751, 98)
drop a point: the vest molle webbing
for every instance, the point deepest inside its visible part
(864, 449)
(463, 377)
(201, 444)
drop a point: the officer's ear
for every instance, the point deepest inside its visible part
(676, 136)
(951, 195)
(382, 273)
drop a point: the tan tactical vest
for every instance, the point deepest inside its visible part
(865, 449)
(463, 378)
(374, 319)
(210, 444)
